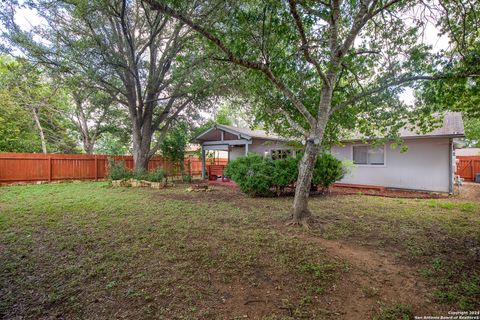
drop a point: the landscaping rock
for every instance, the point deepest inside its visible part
(120, 183)
(139, 183)
(157, 185)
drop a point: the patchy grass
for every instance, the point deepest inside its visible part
(439, 237)
(396, 312)
(89, 251)
(85, 250)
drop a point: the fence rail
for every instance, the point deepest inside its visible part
(468, 167)
(30, 167)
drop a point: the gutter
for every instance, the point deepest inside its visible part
(407, 138)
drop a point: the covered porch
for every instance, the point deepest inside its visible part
(239, 142)
(221, 138)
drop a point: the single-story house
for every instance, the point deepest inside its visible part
(427, 165)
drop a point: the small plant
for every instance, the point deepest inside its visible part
(117, 170)
(187, 178)
(141, 175)
(396, 312)
(157, 175)
(319, 271)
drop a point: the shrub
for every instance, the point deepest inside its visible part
(141, 175)
(117, 170)
(256, 175)
(187, 178)
(156, 175)
(285, 173)
(252, 173)
(328, 169)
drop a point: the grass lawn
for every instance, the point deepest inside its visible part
(86, 250)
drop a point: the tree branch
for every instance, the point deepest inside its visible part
(233, 58)
(397, 82)
(305, 45)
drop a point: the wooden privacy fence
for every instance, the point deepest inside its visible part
(468, 167)
(29, 167)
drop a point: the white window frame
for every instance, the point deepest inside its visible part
(369, 165)
(292, 152)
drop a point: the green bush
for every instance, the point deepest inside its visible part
(257, 176)
(328, 170)
(156, 175)
(117, 170)
(141, 175)
(252, 173)
(187, 178)
(285, 173)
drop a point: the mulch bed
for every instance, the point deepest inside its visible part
(342, 190)
(390, 193)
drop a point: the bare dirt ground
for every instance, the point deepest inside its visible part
(375, 279)
(470, 191)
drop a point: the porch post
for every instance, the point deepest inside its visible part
(203, 162)
(246, 148)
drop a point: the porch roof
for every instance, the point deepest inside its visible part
(220, 132)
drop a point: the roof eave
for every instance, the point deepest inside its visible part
(456, 135)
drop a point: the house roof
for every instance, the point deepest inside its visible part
(468, 152)
(241, 132)
(452, 127)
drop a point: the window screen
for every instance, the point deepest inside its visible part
(281, 154)
(368, 155)
(360, 154)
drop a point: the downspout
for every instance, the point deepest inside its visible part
(450, 166)
(203, 162)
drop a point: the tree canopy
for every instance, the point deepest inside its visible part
(31, 111)
(141, 58)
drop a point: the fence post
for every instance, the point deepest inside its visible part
(472, 164)
(50, 168)
(96, 168)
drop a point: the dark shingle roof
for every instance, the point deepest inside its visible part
(452, 127)
(259, 134)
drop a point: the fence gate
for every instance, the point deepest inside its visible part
(468, 167)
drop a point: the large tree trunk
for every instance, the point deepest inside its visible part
(40, 129)
(87, 145)
(141, 147)
(301, 214)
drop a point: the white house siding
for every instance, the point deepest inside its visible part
(425, 166)
(258, 146)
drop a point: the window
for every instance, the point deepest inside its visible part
(369, 155)
(280, 153)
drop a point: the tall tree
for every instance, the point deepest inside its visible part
(93, 113)
(26, 93)
(459, 21)
(328, 63)
(139, 56)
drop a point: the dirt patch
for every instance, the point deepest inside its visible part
(470, 191)
(375, 279)
(214, 194)
(391, 193)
